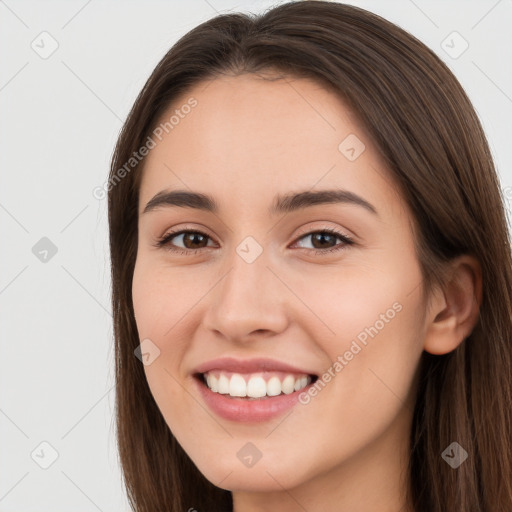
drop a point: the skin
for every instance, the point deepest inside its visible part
(247, 140)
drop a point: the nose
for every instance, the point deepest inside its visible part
(248, 301)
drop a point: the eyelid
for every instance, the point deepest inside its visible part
(314, 229)
(197, 228)
(325, 227)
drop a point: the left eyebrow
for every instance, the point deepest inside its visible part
(292, 202)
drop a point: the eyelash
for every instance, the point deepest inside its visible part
(165, 241)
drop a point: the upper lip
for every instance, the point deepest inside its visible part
(254, 365)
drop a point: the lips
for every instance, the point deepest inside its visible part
(251, 390)
(230, 364)
(253, 378)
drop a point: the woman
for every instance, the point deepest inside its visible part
(311, 259)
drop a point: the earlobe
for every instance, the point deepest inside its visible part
(455, 309)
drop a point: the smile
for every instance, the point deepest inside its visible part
(251, 390)
(255, 385)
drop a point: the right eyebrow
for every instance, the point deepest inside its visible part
(183, 199)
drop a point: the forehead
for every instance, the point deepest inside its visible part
(250, 138)
(249, 114)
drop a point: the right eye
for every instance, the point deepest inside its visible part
(188, 238)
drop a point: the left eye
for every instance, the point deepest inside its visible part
(321, 241)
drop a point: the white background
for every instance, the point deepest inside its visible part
(60, 118)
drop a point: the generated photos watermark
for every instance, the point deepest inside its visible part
(357, 345)
(166, 127)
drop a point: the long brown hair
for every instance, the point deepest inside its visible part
(430, 137)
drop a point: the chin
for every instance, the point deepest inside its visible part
(262, 477)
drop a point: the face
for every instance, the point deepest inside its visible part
(313, 301)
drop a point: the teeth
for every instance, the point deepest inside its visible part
(273, 386)
(237, 385)
(223, 385)
(288, 385)
(212, 382)
(299, 383)
(255, 386)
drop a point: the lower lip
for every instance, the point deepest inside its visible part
(246, 410)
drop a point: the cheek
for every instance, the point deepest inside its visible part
(161, 297)
(372, 333)
(350, 302)
(156, 312)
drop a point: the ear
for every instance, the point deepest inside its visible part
(453, 311)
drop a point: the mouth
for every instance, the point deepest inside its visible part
(254, 386)
(252, 390)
